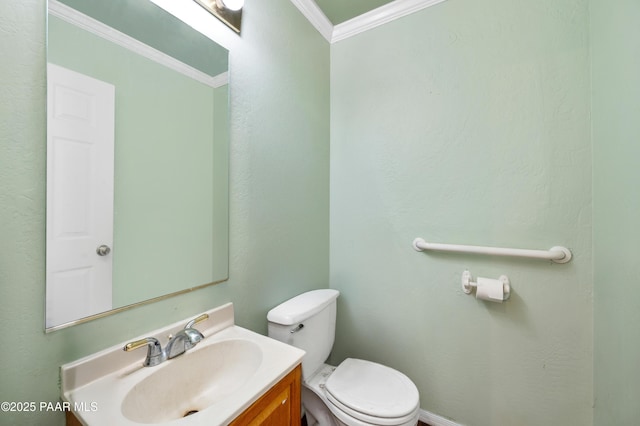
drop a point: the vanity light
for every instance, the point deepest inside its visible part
(232, 4)
(228, 11)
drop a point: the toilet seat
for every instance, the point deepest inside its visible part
(372, 393)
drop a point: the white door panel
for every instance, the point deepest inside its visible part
(80, 166)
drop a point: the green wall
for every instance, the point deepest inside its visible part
(468, 123)
(615, 50)
(279, 184)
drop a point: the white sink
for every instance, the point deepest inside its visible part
(192, 382)
(210, 384)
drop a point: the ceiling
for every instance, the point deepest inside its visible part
(337, 20)
(338, 11)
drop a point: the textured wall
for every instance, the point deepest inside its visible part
(278, 194)
(615, 38)
(467, 122)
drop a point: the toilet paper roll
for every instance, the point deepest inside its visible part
(490, 289)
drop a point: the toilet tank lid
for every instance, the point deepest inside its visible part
(302, 306)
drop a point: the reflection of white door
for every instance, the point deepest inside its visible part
(80, 153)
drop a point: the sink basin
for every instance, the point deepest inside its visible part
(192, 382)
(211, 384)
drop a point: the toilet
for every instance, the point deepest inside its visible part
(356, 392)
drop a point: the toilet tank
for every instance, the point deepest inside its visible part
(308, 322)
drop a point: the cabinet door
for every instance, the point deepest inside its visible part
(280, 406)
(72, 420)
(276, 413)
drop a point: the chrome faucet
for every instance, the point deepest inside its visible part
(180, 343)
(155, 353)
(183, 341)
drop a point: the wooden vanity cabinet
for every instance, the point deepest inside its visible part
(279, 406)
(72, 420)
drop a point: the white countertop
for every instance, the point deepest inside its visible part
(97, 385)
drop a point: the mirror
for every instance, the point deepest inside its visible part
(137, 158)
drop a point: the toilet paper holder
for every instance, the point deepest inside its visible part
(468, 285)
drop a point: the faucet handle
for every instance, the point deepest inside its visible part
(155, 354)
(195, 321)
(131, 346)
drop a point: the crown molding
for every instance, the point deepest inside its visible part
(374, 18)
(106, 32)
(316, 17)
(380, 16)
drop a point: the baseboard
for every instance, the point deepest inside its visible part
(435, 420)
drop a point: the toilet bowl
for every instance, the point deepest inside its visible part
(363, 393)
(354, 393)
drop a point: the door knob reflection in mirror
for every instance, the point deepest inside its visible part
(103, 250)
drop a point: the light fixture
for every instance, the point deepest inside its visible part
(228, 11)
(232, 4)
